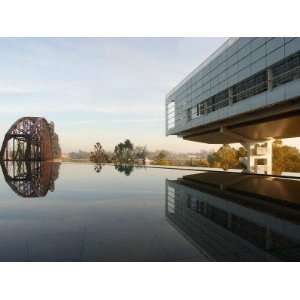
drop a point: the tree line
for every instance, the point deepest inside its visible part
(124, 153)
(285, 158)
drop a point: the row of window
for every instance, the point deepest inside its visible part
(186, 89)
(251, 86)
(287, 70)
(246, 229)
(202, 74)
(282, 72)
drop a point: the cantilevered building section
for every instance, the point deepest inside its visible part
(246, 92)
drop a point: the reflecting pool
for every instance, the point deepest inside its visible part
(86, 212)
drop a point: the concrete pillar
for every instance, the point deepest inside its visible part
(249, 162)
(254, 157)
(269, 157)
(259, 158)
(230, 96)
(205, 108)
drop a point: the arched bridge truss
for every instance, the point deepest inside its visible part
(28, 139)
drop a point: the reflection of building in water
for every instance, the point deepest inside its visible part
(30, 179)
(234, 217)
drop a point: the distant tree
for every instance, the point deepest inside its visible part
(161, 157)
(98, 155)
(109, 156)
(213, 160)
(124, 153)
(226, 158)
(140, 152)
(241, 152)
(285, 158)
(79, 155)
(203, 163)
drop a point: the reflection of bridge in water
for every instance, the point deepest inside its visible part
(234, 217)
(30, 178)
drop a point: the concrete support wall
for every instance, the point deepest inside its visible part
(259, 158)
(270, 79)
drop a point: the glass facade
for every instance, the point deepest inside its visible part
(171, 115)
(245, 68)
(283, 72)
(286, 70)
(250, 87)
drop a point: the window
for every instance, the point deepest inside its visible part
(287, 70)
(249, 87)
(171, 200)
(171, 115)
(221, 100)
(284, 71)
(202, 108)
(193, 112)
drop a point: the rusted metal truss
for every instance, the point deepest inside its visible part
(28, 139)
(30, 179)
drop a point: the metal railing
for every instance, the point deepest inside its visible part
(287, 76)
(204, 108)
(252, 91)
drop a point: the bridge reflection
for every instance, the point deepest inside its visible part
(30, 179)
(234, 217)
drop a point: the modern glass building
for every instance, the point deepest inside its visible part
(247, 92)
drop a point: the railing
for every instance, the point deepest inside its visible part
(252, 91)
(203, 108)
(216, 106)
(286, 76)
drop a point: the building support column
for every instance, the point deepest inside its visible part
(205, 108)
(270, 79)
(259, 152)
(230, 96)
(259, 158)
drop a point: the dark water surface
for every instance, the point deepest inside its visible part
(82, 212)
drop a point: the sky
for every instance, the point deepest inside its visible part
(99, 89)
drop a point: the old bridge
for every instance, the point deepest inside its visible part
(30, 139)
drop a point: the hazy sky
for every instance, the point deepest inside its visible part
(98, 89)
